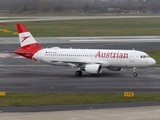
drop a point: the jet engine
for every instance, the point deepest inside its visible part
(93, 68)
(114, 68)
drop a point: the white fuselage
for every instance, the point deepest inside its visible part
(106, 58)
(89, 60)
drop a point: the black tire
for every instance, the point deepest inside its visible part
(78, 73)
(135, 74)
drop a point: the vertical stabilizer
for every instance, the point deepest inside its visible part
(29, 45)
(27, 41)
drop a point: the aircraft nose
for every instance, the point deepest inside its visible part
(152, 61)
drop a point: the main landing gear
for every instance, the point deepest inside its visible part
(78, 73)
(134, 73)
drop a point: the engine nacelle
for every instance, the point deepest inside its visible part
(114, 68)
(93, 68)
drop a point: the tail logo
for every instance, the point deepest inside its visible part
(24, 38)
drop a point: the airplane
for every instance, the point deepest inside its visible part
(90, 60)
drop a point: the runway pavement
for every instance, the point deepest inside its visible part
(34, 78)
(101, 39)
(129, 42)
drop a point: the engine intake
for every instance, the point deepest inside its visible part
(93, 68)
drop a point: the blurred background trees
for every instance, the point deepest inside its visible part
(96, 6)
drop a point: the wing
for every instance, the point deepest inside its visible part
(79, 63)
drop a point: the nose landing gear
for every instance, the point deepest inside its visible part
(134, 72)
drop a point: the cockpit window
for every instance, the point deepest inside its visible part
(144, 56)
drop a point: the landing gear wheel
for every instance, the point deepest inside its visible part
(78, 73)
(135, 74)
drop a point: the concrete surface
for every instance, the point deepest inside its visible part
(133, 113)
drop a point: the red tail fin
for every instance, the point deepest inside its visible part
(29, 45)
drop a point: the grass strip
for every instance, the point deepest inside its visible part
(99, 27)
(36, 99)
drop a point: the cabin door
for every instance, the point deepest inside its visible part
(132, 57)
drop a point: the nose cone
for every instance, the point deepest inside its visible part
(152, 62)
